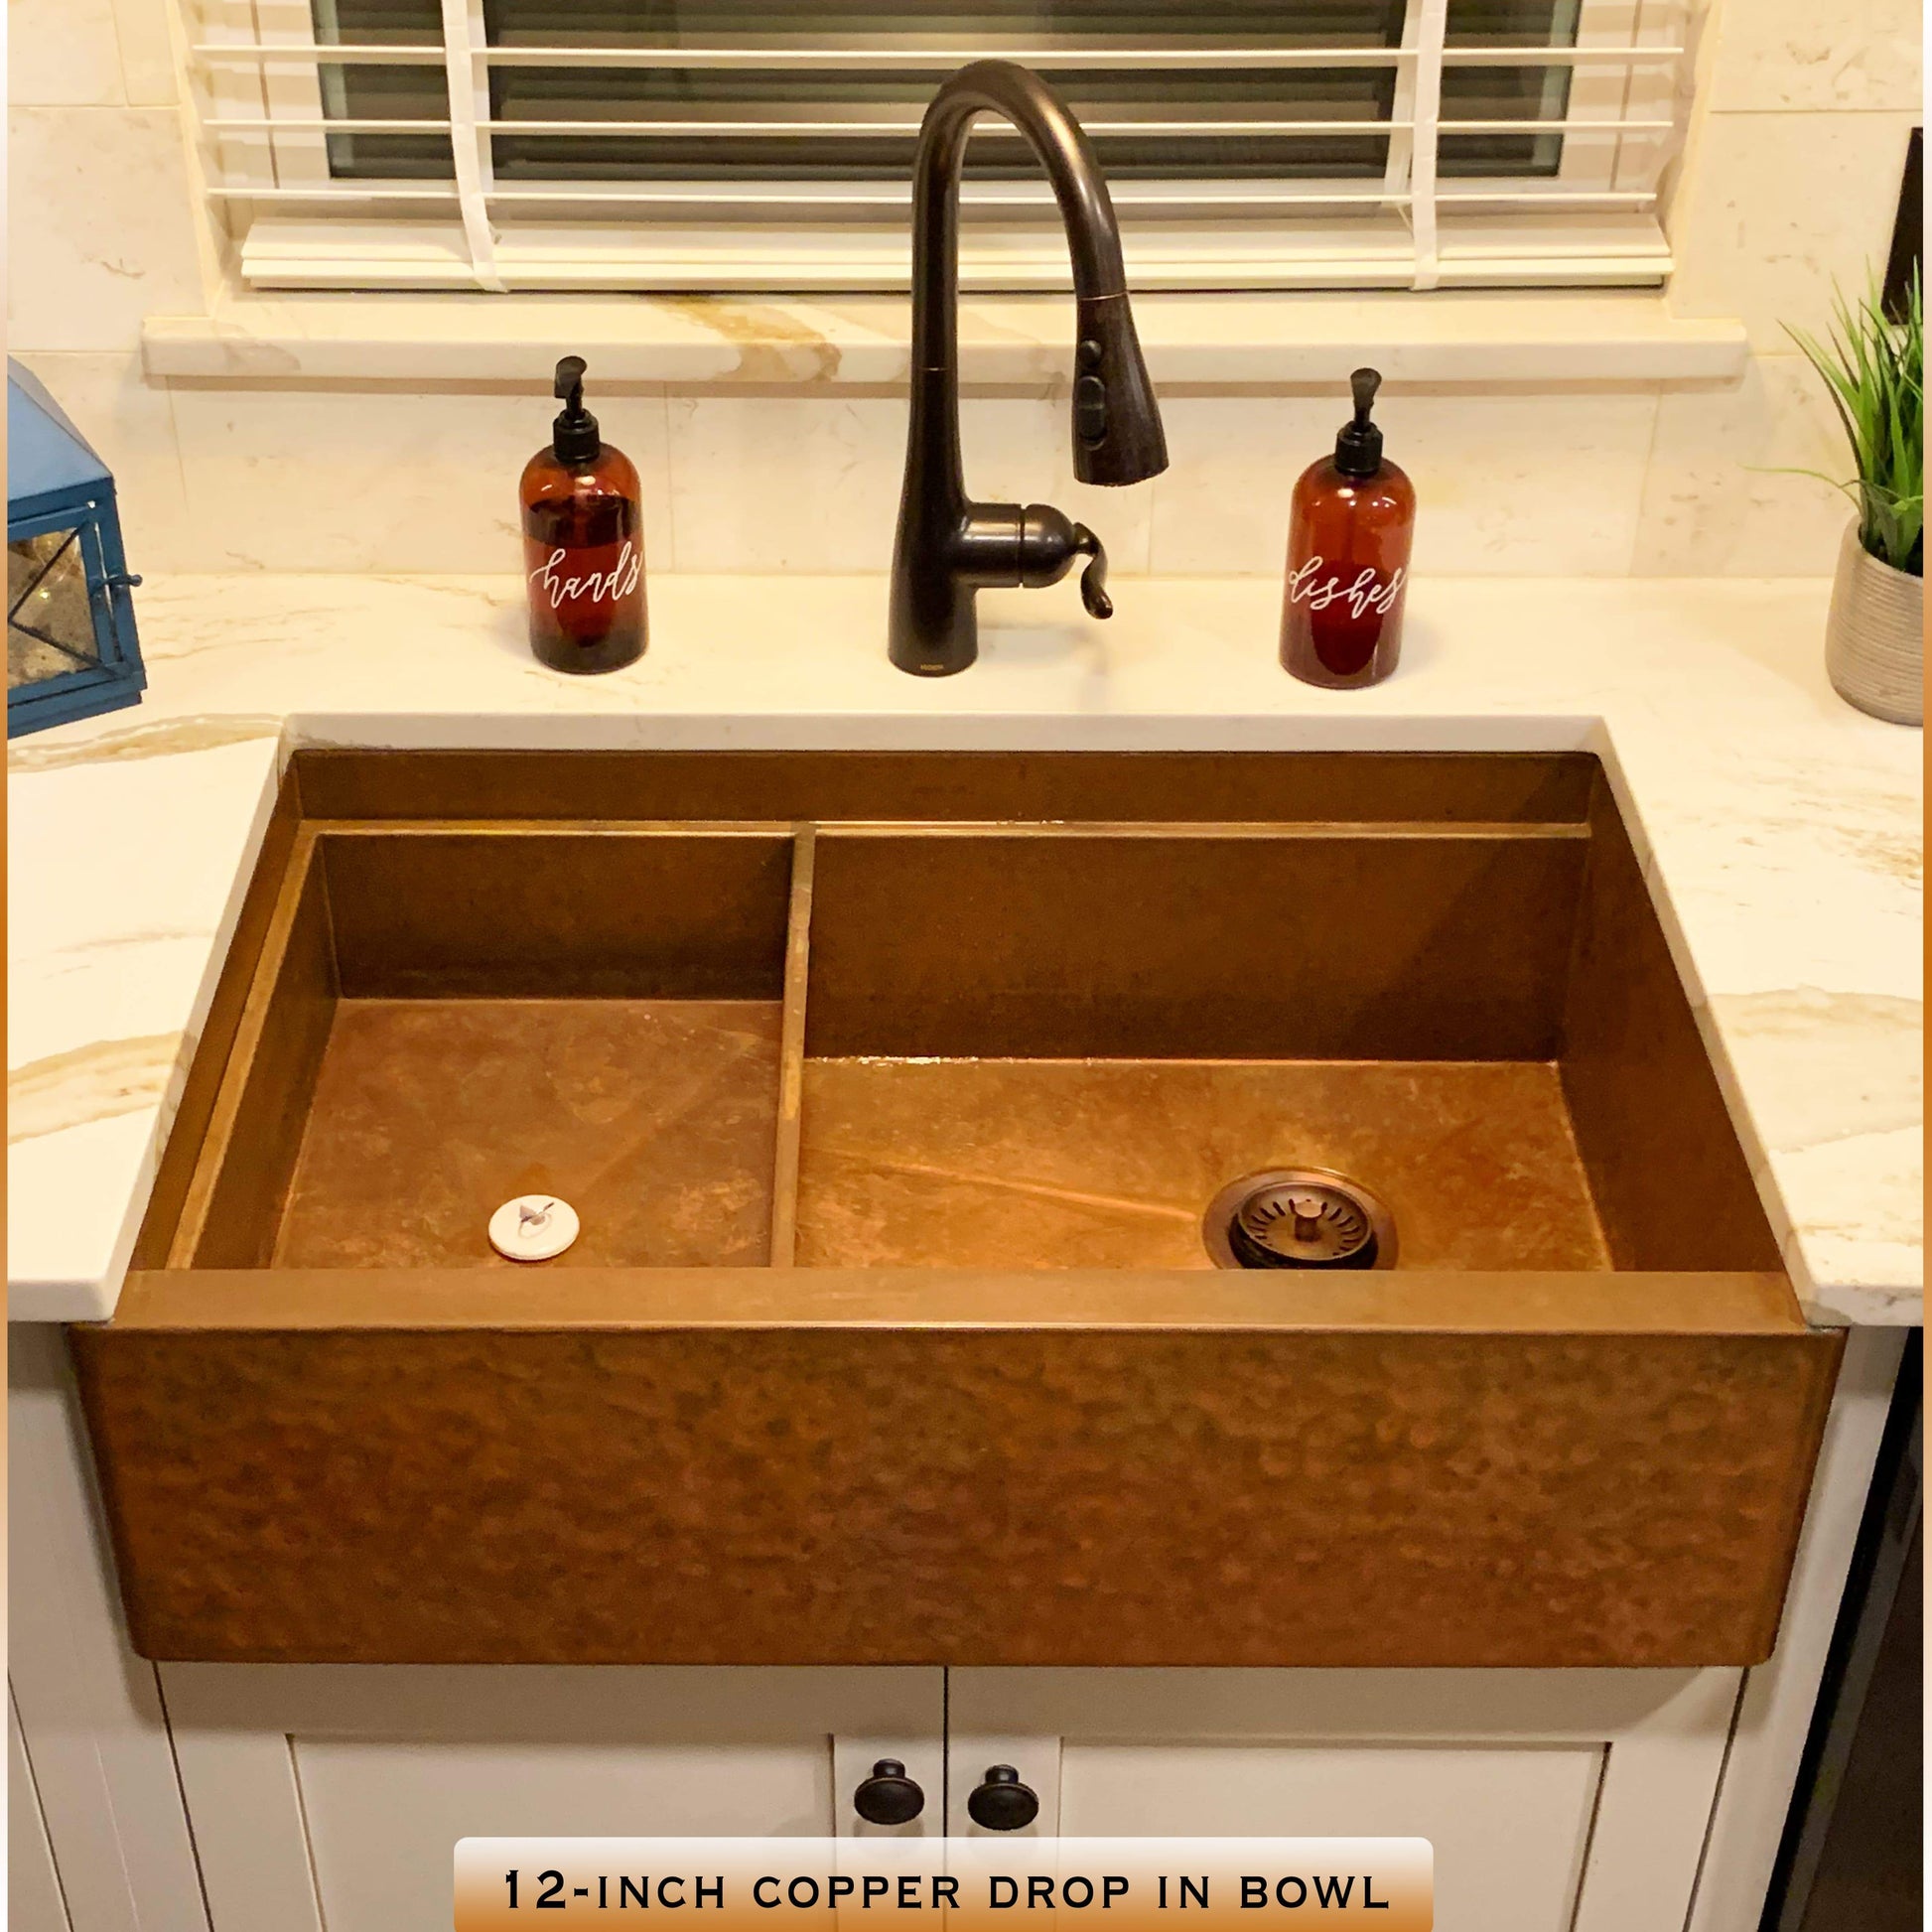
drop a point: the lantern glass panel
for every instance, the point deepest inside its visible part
(49, 614)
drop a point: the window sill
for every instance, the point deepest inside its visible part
(1260, 341)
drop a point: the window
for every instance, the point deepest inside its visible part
(767, 144)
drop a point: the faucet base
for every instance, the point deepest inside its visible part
(937, 670)
(933, 625)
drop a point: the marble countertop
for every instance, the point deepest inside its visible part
(1780, 829)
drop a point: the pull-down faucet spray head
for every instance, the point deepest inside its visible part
(1117, 434)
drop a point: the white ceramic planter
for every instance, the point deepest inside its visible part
(1874, 637)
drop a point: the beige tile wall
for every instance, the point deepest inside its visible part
(1789, 190)
(1787, 184)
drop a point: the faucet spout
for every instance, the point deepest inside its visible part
(949, 547)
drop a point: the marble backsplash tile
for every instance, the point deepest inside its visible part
(63, 53)
(1525, 485)
(102, 225)
(1781, 207)
(808, 483)
(1721, 494)
(1681, 482)
(322, 477)
(1795, 54)
(812, 482)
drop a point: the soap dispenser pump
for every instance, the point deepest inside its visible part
(583, 541)
(1349, 531)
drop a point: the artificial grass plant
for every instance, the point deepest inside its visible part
(1874, 369)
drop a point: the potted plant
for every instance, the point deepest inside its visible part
(1874, 637)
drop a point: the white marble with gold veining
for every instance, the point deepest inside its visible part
(1781, 829)
(835, 342)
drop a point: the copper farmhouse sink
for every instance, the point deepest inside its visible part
(894, 1093)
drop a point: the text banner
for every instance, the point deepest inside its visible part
(1045, 1884)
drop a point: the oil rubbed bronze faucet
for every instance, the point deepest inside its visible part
(949, 547)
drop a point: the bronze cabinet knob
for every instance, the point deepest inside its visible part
(1002, 1803)
(889, 1796)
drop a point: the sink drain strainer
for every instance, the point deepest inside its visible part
(1299, 1217)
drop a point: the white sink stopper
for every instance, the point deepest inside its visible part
(533, 1227)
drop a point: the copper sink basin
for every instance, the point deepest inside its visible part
(891, 1091)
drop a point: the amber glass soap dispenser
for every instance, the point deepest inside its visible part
(582, 542)
(1348, 538)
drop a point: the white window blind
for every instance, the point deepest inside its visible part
(768, 144)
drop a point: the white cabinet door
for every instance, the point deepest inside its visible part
(34, 1902)
(333, 1795)
(1557, 1801)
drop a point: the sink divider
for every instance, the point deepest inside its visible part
(791, 1049)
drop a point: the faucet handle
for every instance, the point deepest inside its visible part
(1093, 580)
(1048, 542)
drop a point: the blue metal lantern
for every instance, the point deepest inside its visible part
(72, 651)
